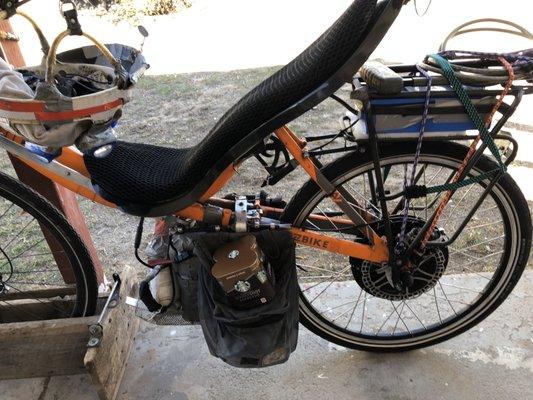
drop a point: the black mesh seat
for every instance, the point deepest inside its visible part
(139, 173)
(144, 174)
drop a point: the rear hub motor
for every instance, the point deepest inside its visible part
(426, 267)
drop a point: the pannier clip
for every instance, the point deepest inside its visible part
(69, 12)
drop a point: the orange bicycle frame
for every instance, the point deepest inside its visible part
(69, 170)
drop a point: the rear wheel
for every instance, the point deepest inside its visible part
(45, 269)
(351, 302)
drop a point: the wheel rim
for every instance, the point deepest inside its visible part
(31, 285)
(337, 314)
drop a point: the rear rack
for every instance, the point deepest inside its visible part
(400, 113)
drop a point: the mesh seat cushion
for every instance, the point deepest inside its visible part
(166, 174)
(139, 173)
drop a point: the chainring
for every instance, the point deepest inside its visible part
(428, 268)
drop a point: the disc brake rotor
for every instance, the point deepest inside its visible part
(427, 269)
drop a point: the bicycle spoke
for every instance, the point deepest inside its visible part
(387, 319)
(6, 211)
(474, 258)
(469, 228)
(480, 211)
(461, 250)
(344, 312)
(325, 280)
(363, 314)
(327, 287)
(437, 304)
(400, 318)
(416, 316)
(452, 212)
(363, 197)
(446, 297)
(18, 255)
(353, 311)
(62, 312)
(332, 223)
(461, 288)
(18, 234)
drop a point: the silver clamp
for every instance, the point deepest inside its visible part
(241, 214)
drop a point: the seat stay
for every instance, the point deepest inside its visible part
(339, 196)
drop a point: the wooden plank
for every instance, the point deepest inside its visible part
(33, 310)
(47, 348)
(61, 197)
(40, 294)
(107, 363)
(26, 309)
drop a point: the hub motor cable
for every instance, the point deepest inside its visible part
(486, 70)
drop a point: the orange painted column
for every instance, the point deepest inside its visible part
(62, 198)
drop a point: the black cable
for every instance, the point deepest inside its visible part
(10, 265)
(340, 134)
(344, 104)
(137, 243)
(87, 78)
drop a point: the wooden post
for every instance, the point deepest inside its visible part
(62, 198)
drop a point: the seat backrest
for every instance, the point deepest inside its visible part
(310, 78)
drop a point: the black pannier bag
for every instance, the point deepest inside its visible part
(260, 336)
(185, 273)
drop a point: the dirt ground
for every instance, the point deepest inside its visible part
(178, 111)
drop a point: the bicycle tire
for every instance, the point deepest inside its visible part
(341, 168)
(48, 216)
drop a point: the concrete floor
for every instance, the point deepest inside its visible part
(492, 361)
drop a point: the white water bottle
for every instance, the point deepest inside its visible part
(162, 288)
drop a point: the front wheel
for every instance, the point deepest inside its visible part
(45, 270)
(352, 303)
